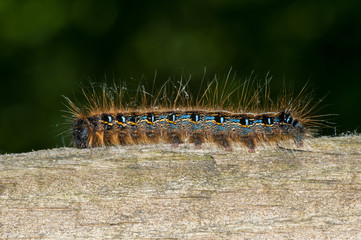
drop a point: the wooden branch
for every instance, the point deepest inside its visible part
(157, 191)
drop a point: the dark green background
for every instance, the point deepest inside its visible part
(48, 47)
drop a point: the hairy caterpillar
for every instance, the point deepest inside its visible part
(223, 114)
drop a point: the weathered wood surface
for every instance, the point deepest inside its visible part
(161, 192)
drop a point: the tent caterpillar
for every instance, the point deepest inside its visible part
(174, 116)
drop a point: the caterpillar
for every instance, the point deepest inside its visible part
(225, 114)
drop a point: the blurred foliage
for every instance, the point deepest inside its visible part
(47, 47)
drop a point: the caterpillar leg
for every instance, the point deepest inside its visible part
(223, 141)
(250, 143)
(298, 141)
(122, 138)
(197, 139)
(135, 136)
(175, 139)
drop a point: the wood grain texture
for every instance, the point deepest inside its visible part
(160, 192)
